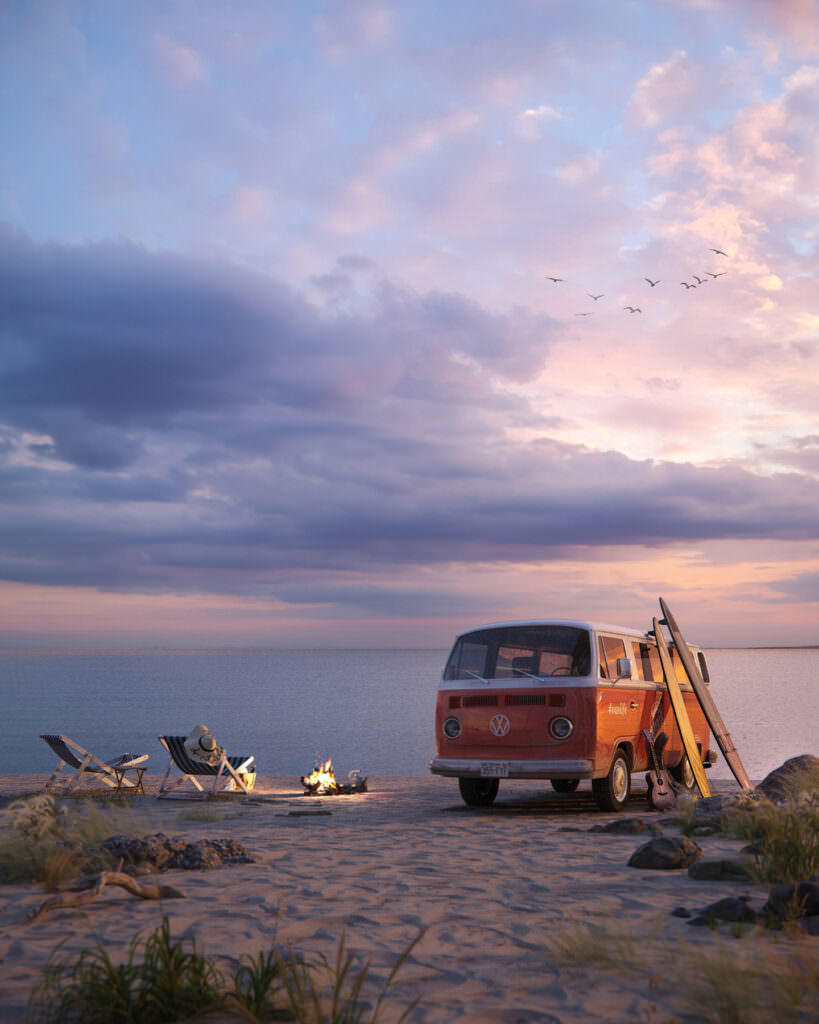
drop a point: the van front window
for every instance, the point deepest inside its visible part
(520, 652)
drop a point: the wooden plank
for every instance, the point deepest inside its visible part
(709, 708)
(681, 714)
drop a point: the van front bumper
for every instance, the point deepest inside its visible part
(466, 768)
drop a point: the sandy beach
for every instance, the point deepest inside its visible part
(492, 890)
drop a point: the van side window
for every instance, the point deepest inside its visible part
(649, 666)
(613, 648)
(604, 672)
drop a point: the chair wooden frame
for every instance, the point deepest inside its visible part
(228, 768)
(87, 766)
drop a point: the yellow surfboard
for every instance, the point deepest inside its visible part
(681, 713)
(709, 708)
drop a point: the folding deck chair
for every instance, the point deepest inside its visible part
(87, 765)
(229, 768)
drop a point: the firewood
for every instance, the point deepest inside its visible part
(81, 894)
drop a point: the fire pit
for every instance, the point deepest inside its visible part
(322, 781)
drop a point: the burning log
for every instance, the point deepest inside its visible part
(322, 781)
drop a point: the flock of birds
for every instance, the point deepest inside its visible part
(636, 309)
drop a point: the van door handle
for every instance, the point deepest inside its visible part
(634, 705)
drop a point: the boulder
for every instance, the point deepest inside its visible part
(792, 900)
(720, 869)
(777, 785)
(666, 853)
(731, 908)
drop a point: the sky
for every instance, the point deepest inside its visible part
(281, 362)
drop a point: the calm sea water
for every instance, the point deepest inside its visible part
(371, 710)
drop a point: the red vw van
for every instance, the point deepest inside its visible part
(561, 700)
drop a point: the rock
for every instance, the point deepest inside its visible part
(628, 827)
(791, 900)
(776, 785)
(711, 811)
(163, 853)
(680, 912)
(720, 869)
(666, 853)
(730, 908)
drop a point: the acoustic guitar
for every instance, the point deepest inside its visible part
(661, 795)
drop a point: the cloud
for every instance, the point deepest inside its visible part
(667, 92)
(200, 427)
(529, 123)
(182, 66)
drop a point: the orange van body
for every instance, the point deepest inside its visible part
(558, 700)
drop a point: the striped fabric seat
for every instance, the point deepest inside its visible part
(83, 762)
(229, 769)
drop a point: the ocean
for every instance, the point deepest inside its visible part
(368, 710)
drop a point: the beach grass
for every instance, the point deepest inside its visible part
(164, 980)
(605, 943)
(723, 986)
(43, 840)
(784, 838)
(720, 982)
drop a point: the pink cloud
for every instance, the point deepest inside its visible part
(182, 66)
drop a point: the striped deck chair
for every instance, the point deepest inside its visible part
(230, 769)
(86, 765)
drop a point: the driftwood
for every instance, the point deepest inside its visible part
(87, 889)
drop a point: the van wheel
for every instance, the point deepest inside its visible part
(683, 774)
(564, 785)
(478, 792)
(612, 792)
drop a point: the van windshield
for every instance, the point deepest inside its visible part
(520, 652)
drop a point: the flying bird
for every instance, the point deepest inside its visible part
(719, 252)
(595, 297)
(652, 283)
(633, 309)
(685, 284)
(699, 280)
(722, 273)
(555, 279)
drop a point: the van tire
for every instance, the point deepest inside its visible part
(612, 791)
(564, 785)
(478, 792)
(682, 774)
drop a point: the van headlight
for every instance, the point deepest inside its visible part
(561, 727)
(452, 728)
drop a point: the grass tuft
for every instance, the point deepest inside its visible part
(785, 838)
(163, 980)
(603, 943)
(723, 989)
(45, 842)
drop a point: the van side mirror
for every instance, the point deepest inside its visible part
(623, 669)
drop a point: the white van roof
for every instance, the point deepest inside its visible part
(601, 627)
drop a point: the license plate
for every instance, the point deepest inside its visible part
(494, 770)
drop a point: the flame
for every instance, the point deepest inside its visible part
(322, 778)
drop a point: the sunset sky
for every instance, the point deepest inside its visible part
(280, 361)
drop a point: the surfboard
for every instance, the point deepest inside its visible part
(692, 751)
(709, 708)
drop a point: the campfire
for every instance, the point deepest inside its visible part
(322, 781)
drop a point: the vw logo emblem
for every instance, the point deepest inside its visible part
(499, 726)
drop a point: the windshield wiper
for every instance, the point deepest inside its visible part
(523, 672)
(474, 675)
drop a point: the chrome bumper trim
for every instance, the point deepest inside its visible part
(470, 768)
